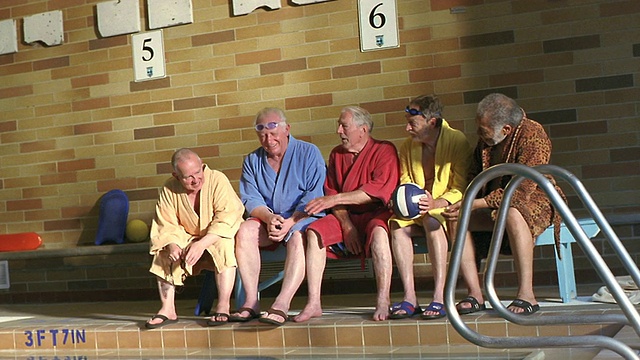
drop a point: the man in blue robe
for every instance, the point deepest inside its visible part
(278, 180)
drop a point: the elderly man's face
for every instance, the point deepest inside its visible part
(274, 141)
(487, 133)
(353, 136)
(417, 125)
(190, 174)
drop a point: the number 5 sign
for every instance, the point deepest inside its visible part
(378, 24)
(148, 55)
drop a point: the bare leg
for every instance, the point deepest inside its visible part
(248, 257)
(382, 265)
(438, 248)
(224, 282)
(167, 297)
(468, 268)
(521, 244)
(294, 269)
(403, 254)
(316, 261)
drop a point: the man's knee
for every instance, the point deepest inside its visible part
(431, 224)
(514, 217)
(379, 239)
(248, 233)
(314, 241)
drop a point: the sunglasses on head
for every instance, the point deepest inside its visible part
(269, 126)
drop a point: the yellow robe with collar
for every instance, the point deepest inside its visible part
(452, 165)
(177, 222)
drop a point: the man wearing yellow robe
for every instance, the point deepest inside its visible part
(437, 158)
(197, 217)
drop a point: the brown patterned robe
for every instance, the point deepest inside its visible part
(528, 144)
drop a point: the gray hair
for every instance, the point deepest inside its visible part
(270, 110)
(360, 116)
(181, 155)
(430, 106)
(500, 110)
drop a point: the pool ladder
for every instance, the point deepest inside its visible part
(630, 316)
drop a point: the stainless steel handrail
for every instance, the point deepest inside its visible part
(521, 172)
(630, 313)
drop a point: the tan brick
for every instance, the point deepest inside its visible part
(37, 146)
(309, 101)
(90, 104)
(304, 23)
(516, 78)
(437, 73)
(51, 63)
(240, 72)
(194, 103)
(336, 32)
(153, 132)
(283, 66)
(262, 82)
(19, 205)
(619, 8)
(152, 108)
(69, 71)
(16, 91)
(322, 87)
(19, 182)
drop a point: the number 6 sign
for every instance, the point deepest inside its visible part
(148, 55)
(378, 24)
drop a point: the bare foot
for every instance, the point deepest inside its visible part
(381, 313)
(309, 311)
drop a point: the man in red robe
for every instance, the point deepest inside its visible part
(362, 174)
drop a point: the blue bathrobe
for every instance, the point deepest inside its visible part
(300, 180)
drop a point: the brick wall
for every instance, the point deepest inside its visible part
(74, 125)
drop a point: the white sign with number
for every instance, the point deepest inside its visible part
(378, 24)
(148, 55)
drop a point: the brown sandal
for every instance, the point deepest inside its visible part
(266, 320)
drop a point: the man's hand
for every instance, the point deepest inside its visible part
(196, 248)
(278, 227)
(452, 211)
(173, 251)
(351, 238)
(426, 203)
(321, 203)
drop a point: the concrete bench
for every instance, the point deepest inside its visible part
(565, 269)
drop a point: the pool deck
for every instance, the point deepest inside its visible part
(110, 330)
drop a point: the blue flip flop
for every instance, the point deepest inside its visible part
(408, 308)
(436, 307)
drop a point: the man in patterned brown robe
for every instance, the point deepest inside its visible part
(506, 135)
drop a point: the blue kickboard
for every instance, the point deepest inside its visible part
(112, 220)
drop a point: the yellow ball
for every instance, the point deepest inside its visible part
(137, 231)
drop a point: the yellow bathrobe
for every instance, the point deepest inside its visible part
(176, 222)
(452, 165)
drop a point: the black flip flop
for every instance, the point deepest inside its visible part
(165, 321)
(238, 318)
(524, 305)
(475, 306)
(213, 322)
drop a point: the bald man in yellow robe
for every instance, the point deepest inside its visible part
(197, 217)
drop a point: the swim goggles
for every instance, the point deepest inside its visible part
(269, 126)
